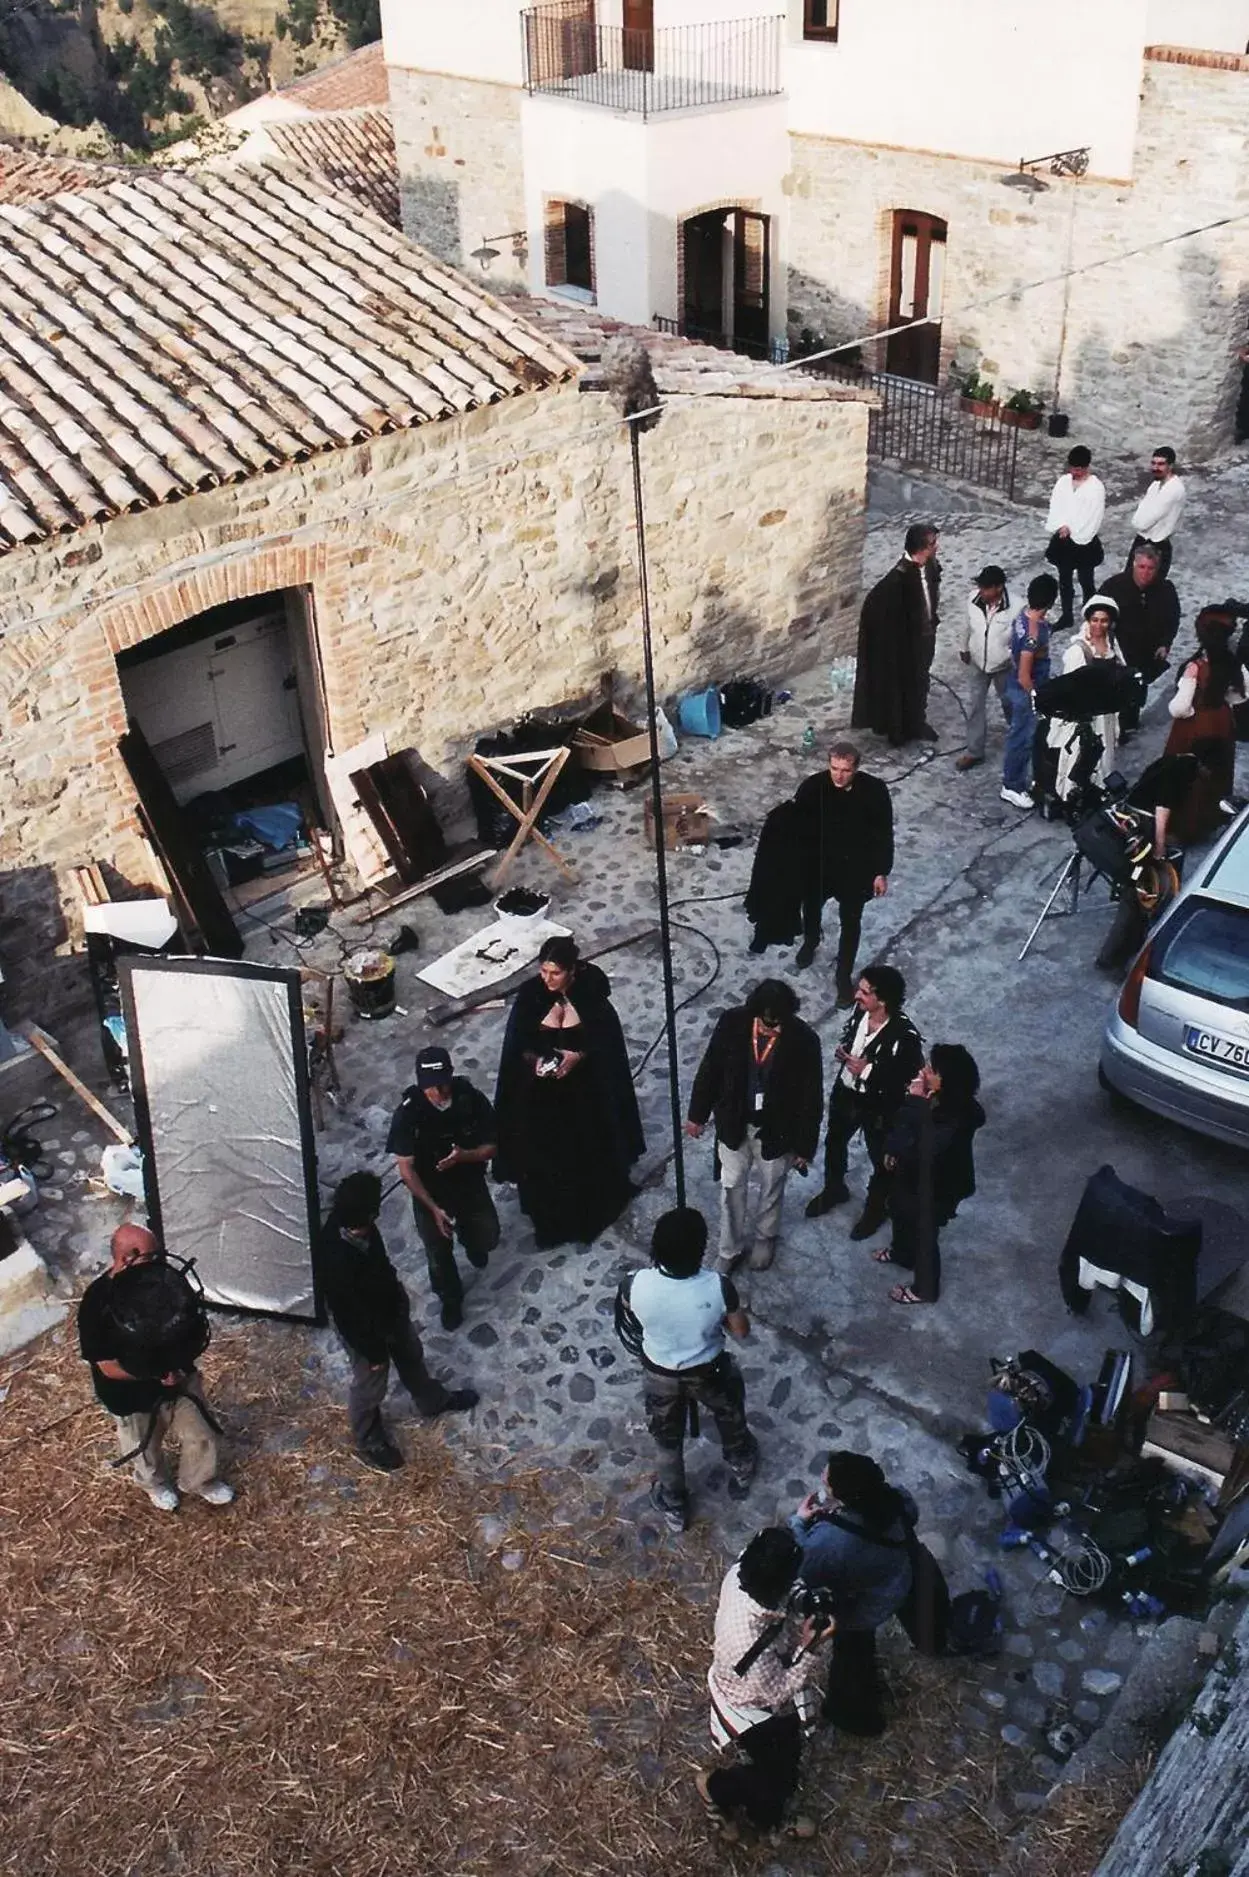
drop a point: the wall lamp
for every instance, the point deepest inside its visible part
(488, 253)
(1059, 163)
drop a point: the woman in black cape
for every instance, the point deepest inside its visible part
(930, 1160)
(569, 1128)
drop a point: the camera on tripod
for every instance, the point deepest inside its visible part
(814, 1601)
(1102, 689)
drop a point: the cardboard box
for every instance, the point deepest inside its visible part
(608, 742)
(686, 823)
(1187, 1446)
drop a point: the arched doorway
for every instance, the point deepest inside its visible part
(916, 292)
(725, 264)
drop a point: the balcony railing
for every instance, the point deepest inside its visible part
(676, 68)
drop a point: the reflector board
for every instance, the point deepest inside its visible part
(219, 1068)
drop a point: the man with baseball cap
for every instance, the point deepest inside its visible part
(443, 1137)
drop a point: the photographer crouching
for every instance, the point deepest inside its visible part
(1143, 818)
(141, 1328)
(764, 1685)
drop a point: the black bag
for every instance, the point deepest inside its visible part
(975, 1625)
(158, 1319)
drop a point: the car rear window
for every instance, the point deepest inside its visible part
(1206, 951)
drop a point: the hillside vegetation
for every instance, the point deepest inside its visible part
(143, 73)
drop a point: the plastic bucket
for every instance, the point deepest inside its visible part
(370, 978)
(700, 713)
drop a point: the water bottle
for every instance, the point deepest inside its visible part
(808, 739)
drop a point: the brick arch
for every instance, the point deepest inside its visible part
(753, 203)
(132, 621)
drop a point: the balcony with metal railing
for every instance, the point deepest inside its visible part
(569, 54)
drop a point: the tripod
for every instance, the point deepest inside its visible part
(1069, 878)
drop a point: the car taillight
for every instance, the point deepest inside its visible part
(1130, 995)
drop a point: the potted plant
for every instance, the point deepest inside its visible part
(977, 396)
(1023, 410)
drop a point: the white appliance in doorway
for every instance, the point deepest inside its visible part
(221, 709)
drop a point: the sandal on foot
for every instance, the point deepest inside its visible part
(720, 1821)
(799, 1827)
(902, 1293)
(886, 1256)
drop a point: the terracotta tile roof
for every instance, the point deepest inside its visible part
(345, 84)
(177, 330)
(26, 176)
(355, 150)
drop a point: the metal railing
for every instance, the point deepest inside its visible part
(924, 426)
(776, 351)
(675, 68)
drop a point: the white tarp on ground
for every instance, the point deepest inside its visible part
(219, 1068)
(490, 955)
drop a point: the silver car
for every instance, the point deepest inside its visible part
(1178, 1038)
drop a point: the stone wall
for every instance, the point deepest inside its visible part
(461, 177)
(460, 575)
(1149, 341)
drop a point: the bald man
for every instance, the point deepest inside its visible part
(147, 1411)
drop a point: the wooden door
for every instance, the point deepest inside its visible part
(639, 35)
(751, 260)
(201, 907)
(917, 278)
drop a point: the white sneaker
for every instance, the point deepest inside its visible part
(1017, 798)
(217, 1493)
(164, 1498)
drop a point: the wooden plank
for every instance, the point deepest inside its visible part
(37, 1040)
(614, 941)
(379, 901)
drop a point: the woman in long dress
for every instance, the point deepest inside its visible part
(1201, 712)
(1095, 641)
(930, 1157)
(569, 1128)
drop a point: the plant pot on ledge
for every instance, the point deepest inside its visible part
(979, 407)
(1021, 420)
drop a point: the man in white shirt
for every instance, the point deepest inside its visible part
(1075, 516)
(1159, 509)
(986, 653)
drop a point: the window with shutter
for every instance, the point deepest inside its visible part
(819, 18)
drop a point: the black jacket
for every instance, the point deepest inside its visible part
(896, 640)
(896, 1054)
(793, 1104)
(778, 878)
(362, 1291)
(847, 834)
(1149, 617)
(933, 1148)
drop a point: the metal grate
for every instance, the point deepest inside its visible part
(676, 68)
(191, 753)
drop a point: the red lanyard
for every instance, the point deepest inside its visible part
(768, 1047)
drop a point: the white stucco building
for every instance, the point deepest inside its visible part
(827, 169)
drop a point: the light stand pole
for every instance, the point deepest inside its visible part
(632, 382)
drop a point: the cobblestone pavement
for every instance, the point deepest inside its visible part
(831, 1362)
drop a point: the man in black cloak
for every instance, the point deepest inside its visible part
(897, 637)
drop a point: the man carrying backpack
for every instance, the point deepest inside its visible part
(160, 1394)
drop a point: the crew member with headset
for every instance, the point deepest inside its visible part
(1162, 788)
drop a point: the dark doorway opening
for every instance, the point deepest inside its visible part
(228, 711)
(917, 289)
(726, 256)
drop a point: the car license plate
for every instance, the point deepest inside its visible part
(1220, 1050)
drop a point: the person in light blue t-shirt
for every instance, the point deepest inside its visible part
(674, 1316)
(1029, 668)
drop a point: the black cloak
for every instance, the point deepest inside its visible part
(568, 1143)
(777, 879)
(896, 643)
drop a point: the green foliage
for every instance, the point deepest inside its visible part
(1026, 402)
(978, 389)
(174, 133)
(359, 20)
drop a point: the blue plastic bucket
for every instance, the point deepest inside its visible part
(700, 713)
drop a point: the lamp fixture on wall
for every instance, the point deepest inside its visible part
(488, 253)
(1059, 163)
